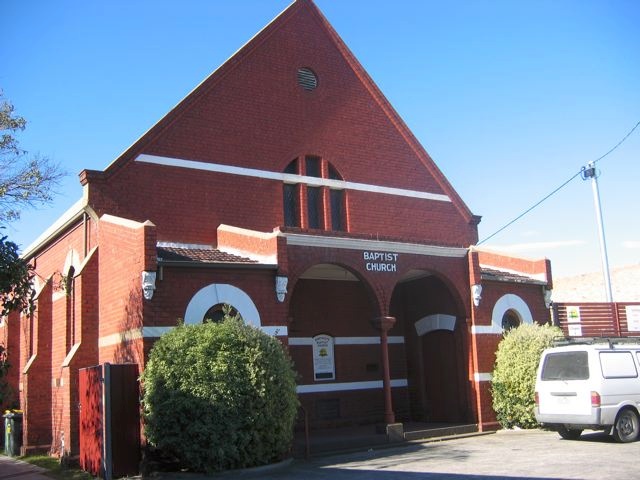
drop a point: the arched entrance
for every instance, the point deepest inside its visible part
(335, 348)
(435, 347)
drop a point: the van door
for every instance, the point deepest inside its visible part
(564, 386)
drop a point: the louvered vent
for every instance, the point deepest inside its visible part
(307, 79)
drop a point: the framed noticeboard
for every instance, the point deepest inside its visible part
(324, 367)
(633, 318)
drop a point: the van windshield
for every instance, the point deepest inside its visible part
(566, 366)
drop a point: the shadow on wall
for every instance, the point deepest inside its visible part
(131, 348)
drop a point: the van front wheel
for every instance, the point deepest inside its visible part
(627, 426)
(569, 434)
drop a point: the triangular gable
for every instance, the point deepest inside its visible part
(203, 127)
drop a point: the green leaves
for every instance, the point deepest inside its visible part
(16, 292)
(514, 374)
(220, 396)
(24, 181)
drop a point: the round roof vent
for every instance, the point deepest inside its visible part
(307, 79)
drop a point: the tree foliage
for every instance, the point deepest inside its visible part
(220, 396)
(25, 180)
(514, 374)
(16, 292)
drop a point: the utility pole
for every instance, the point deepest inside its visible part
(590, 172)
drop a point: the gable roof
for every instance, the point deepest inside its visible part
(295, 12)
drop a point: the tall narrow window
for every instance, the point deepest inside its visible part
(313, 207)
(312, 204)
(291, 214)
(337, 215)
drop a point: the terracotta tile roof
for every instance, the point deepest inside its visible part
(501, 276)
(200, 255)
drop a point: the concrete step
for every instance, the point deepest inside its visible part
(440, 432)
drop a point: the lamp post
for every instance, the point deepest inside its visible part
(590, 172)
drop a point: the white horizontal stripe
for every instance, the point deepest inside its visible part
(277, 331)
(482, 377)
(301, 341)
(486, 329)
(156, 332)
(348, 386)
(289, 177)
(373, 245)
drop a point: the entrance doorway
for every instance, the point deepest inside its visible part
(435, 340)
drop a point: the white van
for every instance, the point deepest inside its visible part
(590, 384)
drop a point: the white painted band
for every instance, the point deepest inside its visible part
(349, 386)
(288, 177)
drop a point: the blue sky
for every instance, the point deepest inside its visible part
(510, 98)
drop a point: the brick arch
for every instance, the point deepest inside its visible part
(512, 302)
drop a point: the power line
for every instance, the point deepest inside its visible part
(579, 173)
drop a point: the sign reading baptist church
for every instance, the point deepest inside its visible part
(380, 261)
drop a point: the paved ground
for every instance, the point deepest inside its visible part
(504, 455)
(11, 469)
(531, 454)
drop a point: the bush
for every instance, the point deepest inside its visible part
(220, 396)
(514, 374)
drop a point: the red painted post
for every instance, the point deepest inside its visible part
(384, 324)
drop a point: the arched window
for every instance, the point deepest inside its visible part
(217, 313)
(314, 204)
(510, 320)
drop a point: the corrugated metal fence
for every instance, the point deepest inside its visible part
(616, 319)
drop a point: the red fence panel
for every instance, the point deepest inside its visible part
(90, 393)
(598, 319)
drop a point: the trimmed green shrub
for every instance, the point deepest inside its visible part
(514, 374)
(220, 396)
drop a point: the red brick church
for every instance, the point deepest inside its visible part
(286, 186)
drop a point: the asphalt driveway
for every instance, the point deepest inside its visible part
(531, 454)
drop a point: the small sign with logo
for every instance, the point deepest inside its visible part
(573, 321)
(323, 360)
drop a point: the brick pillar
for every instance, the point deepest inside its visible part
(384, 324)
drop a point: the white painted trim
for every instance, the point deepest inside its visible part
(275, 331)
(536, 276)
(123, 222)
(486, 330)
(188, 246)
(308, 341)
(437, 321)
(288, 177)
(215, 294)
(119, 337)
(297, 239)
(60, 224)
(509, 301)
(27, 366)
(349, 386)
(157, 332)
(70, 355)
(483, 377)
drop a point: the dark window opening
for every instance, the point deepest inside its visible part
(291, 214)
(312, 166)
(313, 207)
(292, 167)
(337, 207)
(510, 320)
(218, 312)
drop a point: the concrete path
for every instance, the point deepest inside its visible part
(13, 469)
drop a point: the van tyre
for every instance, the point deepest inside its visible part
(627, 426)
(569, 434)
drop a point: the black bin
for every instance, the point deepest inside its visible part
(12, 433)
